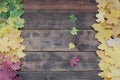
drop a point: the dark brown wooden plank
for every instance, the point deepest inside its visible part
(87, 75)
(59, 4)
(58, 40)
(52, 20)
(59, 61)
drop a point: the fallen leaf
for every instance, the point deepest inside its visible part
(74, 61)
(71, 45)
(74, 31)
(73, 18)
(103, 33)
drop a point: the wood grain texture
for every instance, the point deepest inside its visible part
(52, 20)
(87, 75)
(59, 61)
(58, 40)
(46, 35)
(59, 4)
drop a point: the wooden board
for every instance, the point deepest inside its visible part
(58, 20)
(82, 75)
(59, 4)
(59, 61)
(58, 40)
(47, 35)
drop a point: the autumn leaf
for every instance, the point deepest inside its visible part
(7, 73)
(101, 15)
(72, 18)
(71, 45)
(74, 61)
(74, 31)
(111, 20)
(16, 13)
(103, 33)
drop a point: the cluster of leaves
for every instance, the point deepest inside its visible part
(10, 12)
(74, 60)
(73, 31)
(10, 43)
(9, 70)
(11, 48)
(108, 28)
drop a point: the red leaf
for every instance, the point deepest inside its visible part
(8, 70)
(74, 61)
(14, 66)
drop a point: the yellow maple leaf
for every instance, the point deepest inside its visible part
(111, 19)
(103, 33)
(103, 56)
(71, 45)
(104, 66)
(101, 3)
(100, 15)
(115, 13)
(112, 16)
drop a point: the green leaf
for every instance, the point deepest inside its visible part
(18, 1)
(3, 15)
(19, 23)
(72, 18)
(71, 45)
(3, 7)
(16, 13)
(11, 6)
(19, 6)
(74, 31)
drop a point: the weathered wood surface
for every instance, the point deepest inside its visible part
(52, 20)
(59, 61)
(80, 75)
(59, 4)
(58, 40)
(47, 36)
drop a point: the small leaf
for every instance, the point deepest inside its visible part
(74, 31)
(74, 61)
(7, 73)
(71, 45)
(72, 18)
(19, 23)
(16, 13)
